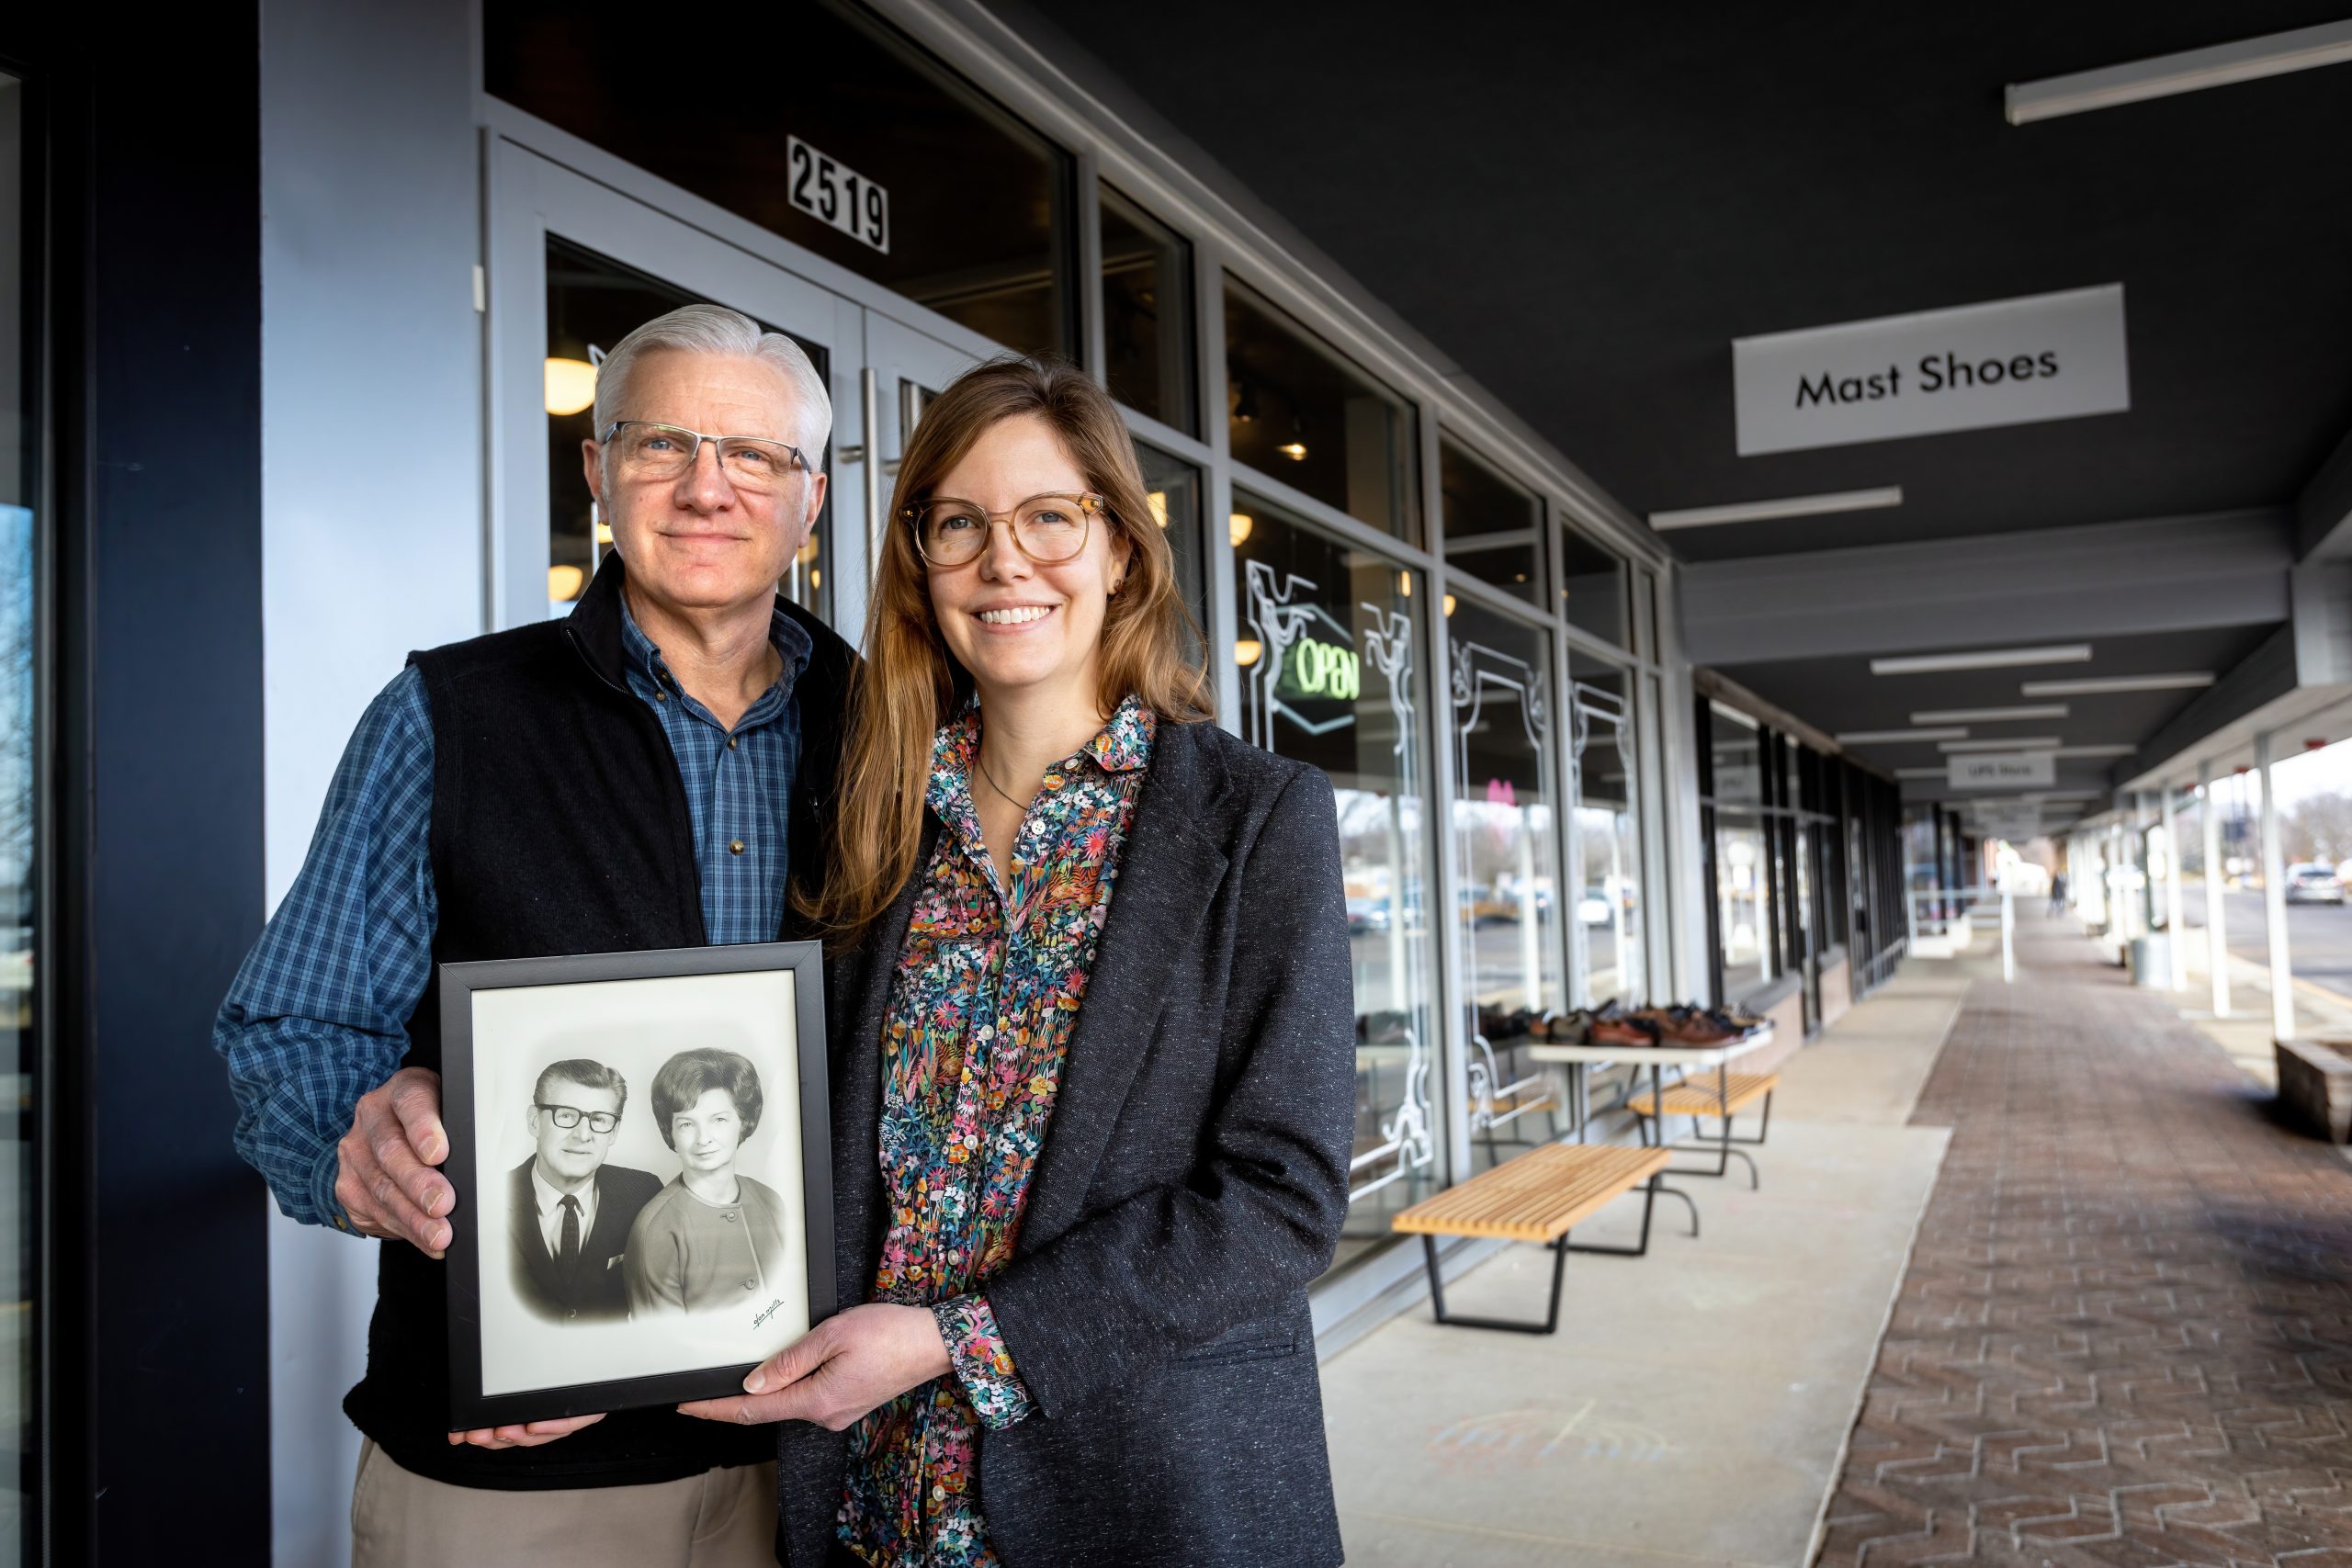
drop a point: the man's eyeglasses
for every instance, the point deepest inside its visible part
(661, 454)
(567, 1117)
(1046, 528)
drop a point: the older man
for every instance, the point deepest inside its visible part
(650, 771)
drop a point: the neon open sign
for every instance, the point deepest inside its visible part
(1319, 669)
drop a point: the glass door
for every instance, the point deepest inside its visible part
(904, 370)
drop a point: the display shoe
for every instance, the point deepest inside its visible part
(1627, 1031)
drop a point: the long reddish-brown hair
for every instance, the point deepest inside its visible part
(912, 684)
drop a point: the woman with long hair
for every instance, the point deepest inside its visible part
(1089, 1147)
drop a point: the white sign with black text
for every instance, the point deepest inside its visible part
(2002, 770)
(2009, 362)
(831, 192)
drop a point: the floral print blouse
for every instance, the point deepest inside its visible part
(987, 987)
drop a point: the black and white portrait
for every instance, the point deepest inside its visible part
(640, 1156)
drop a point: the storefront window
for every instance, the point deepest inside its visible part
(1735, 750)
(1301, 413)
(1332, 674)
(1148, 313)
(1592, 587)
(19, 843)
(1604, 836)
(592, 303)
(1490, 525)
(1172, 489)
(860, 148)
(1506, 850)
(1743, 902)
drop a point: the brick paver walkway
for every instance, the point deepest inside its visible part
(2126, 1332)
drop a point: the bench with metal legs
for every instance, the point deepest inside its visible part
(1725, 1096)
(1539, 1197)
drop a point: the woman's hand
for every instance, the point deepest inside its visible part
(528, 1436)
(843, 1368)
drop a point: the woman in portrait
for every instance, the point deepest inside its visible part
(1092, 1048)
(713, 1238)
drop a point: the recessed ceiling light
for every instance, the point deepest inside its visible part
(1876, 737)
(2095, 750)
(1788, 506)
(2099, 686)
(1986, 658)
(2023, 743)
(2273, 54)
(1990, 716)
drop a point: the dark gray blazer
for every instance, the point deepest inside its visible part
(1192, 1182)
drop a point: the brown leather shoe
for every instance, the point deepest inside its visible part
(1624, 1032)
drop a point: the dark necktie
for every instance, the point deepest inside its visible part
(567, 1248)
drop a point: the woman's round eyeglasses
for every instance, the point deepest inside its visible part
(1046, 528)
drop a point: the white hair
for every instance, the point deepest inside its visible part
(715, 329)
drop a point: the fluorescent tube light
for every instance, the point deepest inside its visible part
(2024, 743)
(1888, 737)
(1788, 506)
(2099, 686)
(2273, 54)
(2095, 750)
(1922, 772)
(1990, 716)
(1986, 658)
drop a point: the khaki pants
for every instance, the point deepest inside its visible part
(721, 1518)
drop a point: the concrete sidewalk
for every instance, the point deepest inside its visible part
(1695, 1404)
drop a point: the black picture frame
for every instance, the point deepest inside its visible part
(462, 1084)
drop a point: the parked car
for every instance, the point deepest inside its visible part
(1593, 908)
(2308, 882)
(1367, 915)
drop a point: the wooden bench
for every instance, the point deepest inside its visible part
(1539, 1198)
(1708, 1095)
(1716, 1093)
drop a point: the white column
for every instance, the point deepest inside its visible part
(2175, 929)
(2274, 901)
(2217, 936)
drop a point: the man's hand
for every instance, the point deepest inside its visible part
(843, 1368)
(529, 1436)
(386, 1182)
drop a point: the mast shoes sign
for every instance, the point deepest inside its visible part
(2002, 770)
(2010, 362)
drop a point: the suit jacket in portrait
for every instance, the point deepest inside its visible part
(1192, 1183)
(593, 1288)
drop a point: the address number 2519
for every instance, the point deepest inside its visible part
(831, 192)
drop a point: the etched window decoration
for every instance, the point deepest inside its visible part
(1332, 674)
(1506, 849)
(1605, 939)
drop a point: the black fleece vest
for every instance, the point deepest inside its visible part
(559, 825)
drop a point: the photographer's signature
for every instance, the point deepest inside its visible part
(768, 1312)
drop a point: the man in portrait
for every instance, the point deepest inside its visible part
(571, 1210)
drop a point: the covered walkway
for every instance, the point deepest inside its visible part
(2122, 1332)
(2126, 1331)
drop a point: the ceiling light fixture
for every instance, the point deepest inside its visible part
(2095, 750)
(1294, 450)
(2099, 686)
(1888, 737)
(2273, 54)
(1789, 506)
(1922, 772)
(2022, 743)
(1988, 659)
(1990, 716)
(571, 384)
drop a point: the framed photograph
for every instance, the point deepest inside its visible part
(639, 1144)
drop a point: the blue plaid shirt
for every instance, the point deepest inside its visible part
(319, 1013)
